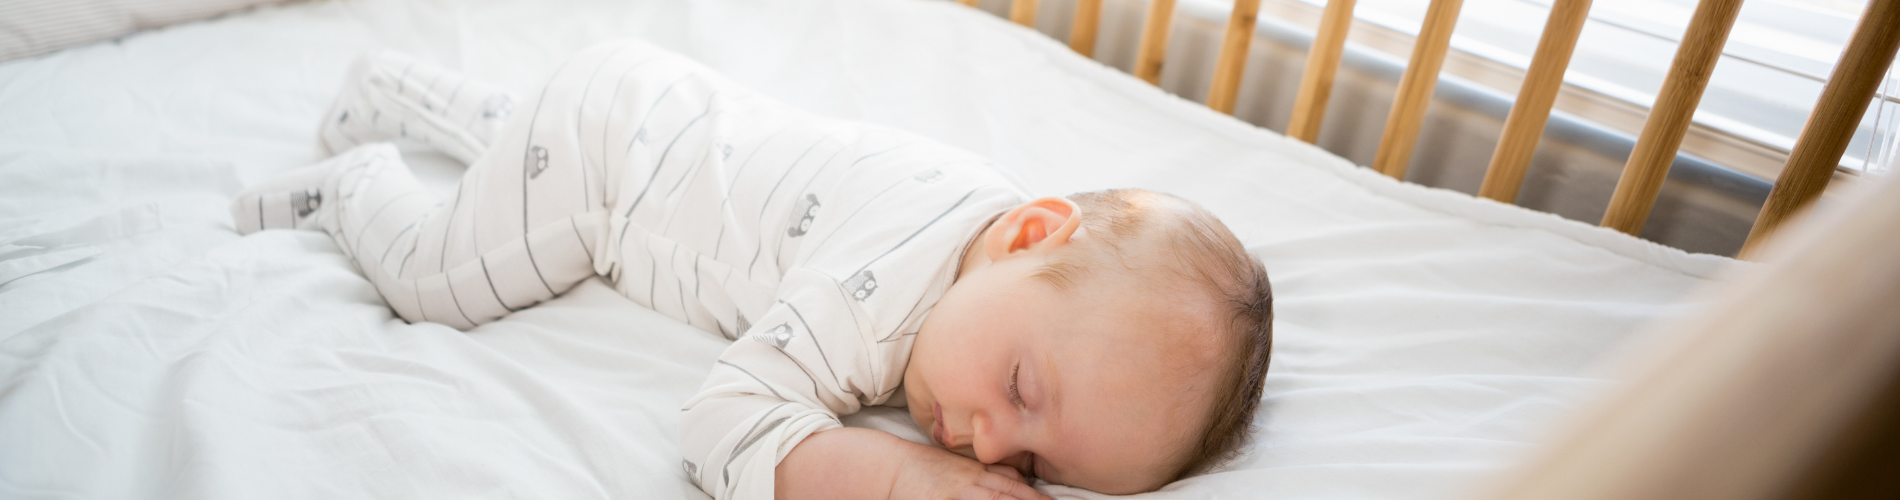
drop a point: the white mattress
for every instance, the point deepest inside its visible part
(1424, 338)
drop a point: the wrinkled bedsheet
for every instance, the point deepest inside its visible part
(1424, 338)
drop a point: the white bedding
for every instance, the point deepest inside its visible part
(1424, 338)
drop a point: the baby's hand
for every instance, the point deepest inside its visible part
(935, 473)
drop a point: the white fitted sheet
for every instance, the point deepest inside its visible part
(1424, 338)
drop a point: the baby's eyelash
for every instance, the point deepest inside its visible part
(1015, 397)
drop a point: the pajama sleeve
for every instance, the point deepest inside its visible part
(864, 259)
(805, 363)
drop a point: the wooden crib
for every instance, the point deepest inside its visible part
(1790, 386)
(1809, 167)
(175, 356)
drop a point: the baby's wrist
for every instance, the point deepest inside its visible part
(845, 463)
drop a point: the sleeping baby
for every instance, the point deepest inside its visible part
(1113, 341)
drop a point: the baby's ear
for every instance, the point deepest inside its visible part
(1041, 225)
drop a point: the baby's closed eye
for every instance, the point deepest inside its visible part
(1015, 396)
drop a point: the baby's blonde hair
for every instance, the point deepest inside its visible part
(1200, 251)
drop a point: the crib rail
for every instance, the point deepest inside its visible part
(1233, 56)
(1824, 138)
(1154, 40)
(1415, 88)
(1322, 64)
(1088, 19)
(1023, 12)
(1669, 118)
(1788, 386)
(1538, 94)
(1810, 166)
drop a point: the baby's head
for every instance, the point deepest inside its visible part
(1113, 341)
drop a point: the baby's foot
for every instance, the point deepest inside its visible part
(388, 95)
(299, 199)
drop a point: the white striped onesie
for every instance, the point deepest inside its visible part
(822, 242)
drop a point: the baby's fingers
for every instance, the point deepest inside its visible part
(1005, 470)
(1009, 488)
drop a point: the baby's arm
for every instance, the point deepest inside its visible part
(845, 464)
(769, 412)
(791, 374)
(851, 463)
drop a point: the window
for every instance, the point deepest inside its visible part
(1777, 58)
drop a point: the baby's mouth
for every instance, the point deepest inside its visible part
(936, 431)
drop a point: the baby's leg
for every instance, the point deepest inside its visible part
(522, 227)
(452, 263)
(531, 216)
(388, 95)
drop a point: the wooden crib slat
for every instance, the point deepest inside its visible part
(1542, 81)
(1322, 64)
(971, 3)
(1154, 40)
(1233, 56)
(1088, 19)
(1023, 12)
(1669, 119)
(1825, 136)
(1784, 387)
(1415, 89)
